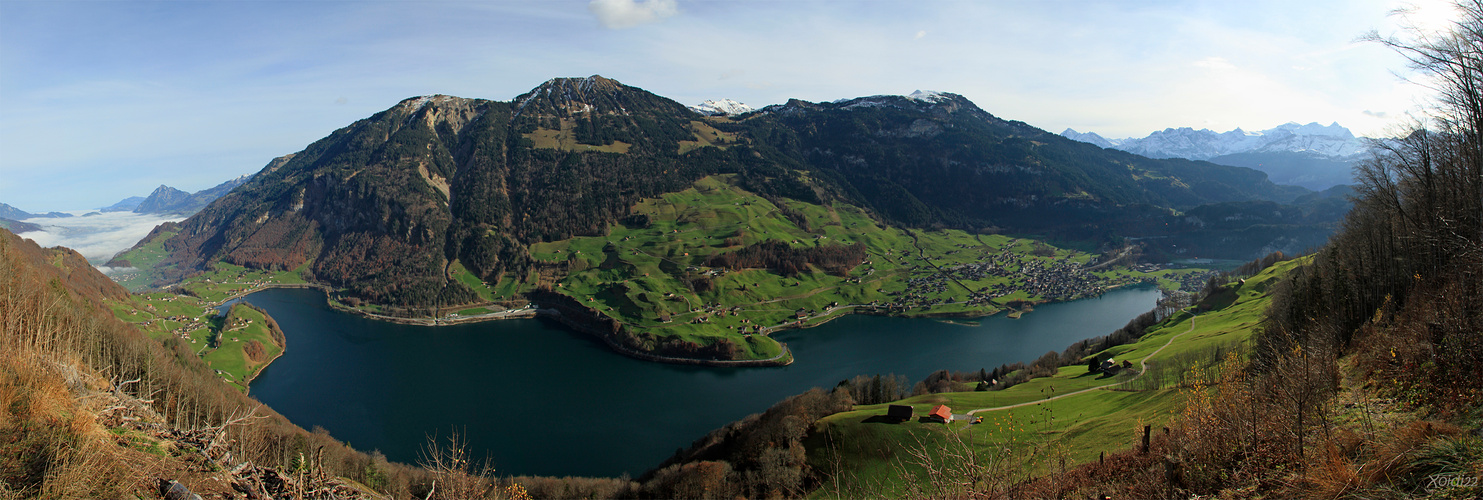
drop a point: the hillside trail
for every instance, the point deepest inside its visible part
(1142, 369)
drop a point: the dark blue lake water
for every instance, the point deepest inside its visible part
(540, 399)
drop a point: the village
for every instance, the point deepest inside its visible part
(1039, 280)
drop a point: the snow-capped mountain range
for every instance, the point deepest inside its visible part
(722, 107)
(731, 107)
(1332, 141)
(1313, 156)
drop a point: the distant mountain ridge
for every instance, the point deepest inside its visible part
(1312, 156)
(12, 213)
(124, 205)
(168, 200)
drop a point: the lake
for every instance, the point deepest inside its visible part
(540, 399)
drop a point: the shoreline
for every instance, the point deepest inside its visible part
(784, 358)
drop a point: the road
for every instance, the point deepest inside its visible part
(1142, 369)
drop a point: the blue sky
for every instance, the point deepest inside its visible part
(101, 100)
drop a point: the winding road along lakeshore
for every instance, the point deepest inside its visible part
(1142, 369)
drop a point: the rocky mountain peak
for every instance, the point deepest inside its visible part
(573, 95)
(433, 110)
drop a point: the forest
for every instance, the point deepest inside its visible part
(784, 259)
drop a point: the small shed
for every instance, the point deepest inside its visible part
(942, 412)
(899, 412)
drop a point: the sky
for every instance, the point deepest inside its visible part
(102, 100)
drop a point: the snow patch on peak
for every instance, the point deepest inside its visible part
(927, 96)
(420, 102)
(597, 82)
(721, 107)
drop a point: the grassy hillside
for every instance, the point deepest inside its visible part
(187, 311)
(658, 275)
(92, 408)
(1056, 426)
(145, 257)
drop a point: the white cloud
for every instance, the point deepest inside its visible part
(619, 14)
(112, 270)
(96, 237)
(921, 34)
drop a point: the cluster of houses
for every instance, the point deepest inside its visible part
(1052, 280)
(1109, 366)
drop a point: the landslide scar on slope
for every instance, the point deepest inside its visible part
(436, 182)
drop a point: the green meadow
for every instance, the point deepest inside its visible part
(656, 277)
(1074, 429)
(190, 316)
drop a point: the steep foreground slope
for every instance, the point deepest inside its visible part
(91, 408)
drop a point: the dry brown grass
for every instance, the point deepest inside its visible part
(51, 446)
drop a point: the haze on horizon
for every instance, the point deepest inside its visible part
(104, 100)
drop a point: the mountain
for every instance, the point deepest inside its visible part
(1089, 138)
(168, 200)
(392, 206)
(12, 213)
(721, 108)
(162, 199)
(1312, 156)
(125, 205)
(1297, 168)
(1331, 141)
(941, 159)
(18, 227)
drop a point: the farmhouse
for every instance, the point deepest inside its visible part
(943, 413)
